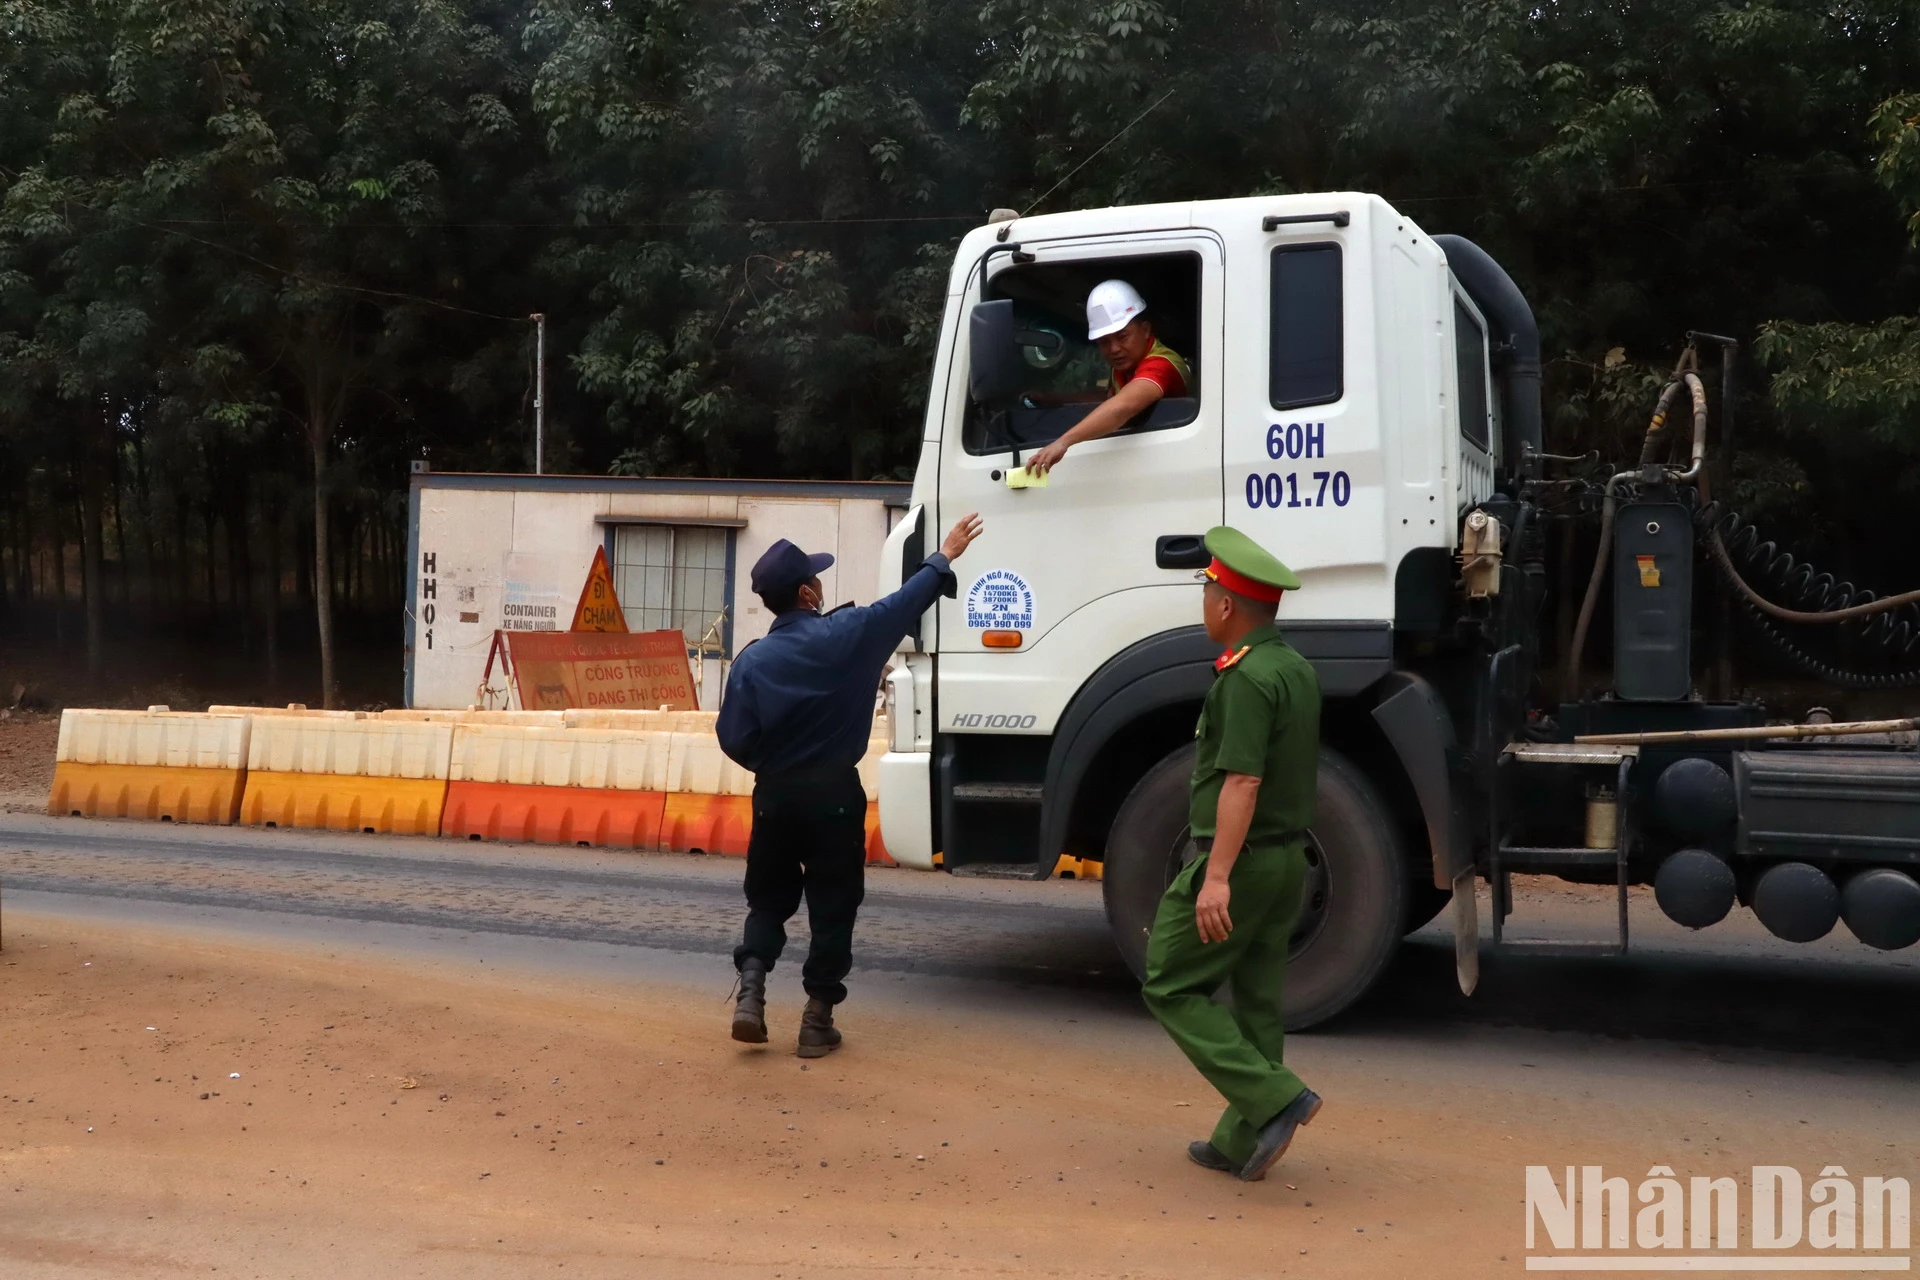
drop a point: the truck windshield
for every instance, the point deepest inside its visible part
(1067, 374)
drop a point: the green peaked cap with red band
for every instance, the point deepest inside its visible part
(1243, 566)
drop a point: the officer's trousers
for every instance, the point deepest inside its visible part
(1237, 1049)
(809, 837)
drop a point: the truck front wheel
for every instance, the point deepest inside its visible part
(1356, 896)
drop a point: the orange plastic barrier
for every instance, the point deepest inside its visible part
(173, 766)
(876, 847)
(145, 791)
(724, 824)
(693, 823)
(396, 806)
(1071, 868)
(553, 815)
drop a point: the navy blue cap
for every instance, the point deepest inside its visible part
(785, 567)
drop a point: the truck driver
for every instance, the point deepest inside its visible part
(1145, 369)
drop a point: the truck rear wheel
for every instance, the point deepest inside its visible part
(1356, 900)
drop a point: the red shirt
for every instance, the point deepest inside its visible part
(1155, 368)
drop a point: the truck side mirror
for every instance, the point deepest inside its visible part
(994, 372)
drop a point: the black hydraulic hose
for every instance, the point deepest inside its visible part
(1766, 606)
(1825, 670)
(1798, 578)
(1787, 572)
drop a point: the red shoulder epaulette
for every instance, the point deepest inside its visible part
(1226, 660)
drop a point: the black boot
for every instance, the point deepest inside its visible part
(750, 1010)
(818, 1037)
(1277, 1134)
(1208, 1156)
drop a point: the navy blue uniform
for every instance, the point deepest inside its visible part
(798, 712)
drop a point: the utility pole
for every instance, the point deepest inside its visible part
(539, 319)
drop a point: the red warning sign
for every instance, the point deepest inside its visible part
(643, 671)
(599, 608)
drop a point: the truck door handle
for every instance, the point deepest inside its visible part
(1181, 551)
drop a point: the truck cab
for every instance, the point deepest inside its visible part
(1356, 387)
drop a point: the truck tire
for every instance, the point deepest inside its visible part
(1357, 888)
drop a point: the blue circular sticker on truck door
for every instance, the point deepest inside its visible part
(1000, 600)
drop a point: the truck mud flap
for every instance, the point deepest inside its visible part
(1420, 730)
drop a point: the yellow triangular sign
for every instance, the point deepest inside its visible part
(599, 608)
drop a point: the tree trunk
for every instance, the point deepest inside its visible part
(29, 589)
(59, 579)
(213, 578)
(240, 569)
(317, 435)
(270, 518)
(156, 578)
(117, 489)
(182, 566)
(6, 554)
(92, 567)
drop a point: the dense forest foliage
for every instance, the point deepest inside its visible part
(255, 256)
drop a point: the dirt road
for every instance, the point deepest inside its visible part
(464, 1061)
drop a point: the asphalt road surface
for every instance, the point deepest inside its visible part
(298, 1054)
(1733, 985)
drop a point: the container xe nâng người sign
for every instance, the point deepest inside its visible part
(601, 670)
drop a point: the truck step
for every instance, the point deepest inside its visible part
(1549, 947)
(998, 870)
(999, 792)
(1542, 858)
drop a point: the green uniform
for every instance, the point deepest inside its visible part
(1262, 717)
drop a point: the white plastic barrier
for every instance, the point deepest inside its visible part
(356, 748)
(171, 766)
(697, 766)
(544, 756)
(642, 721)
(291, 709)
(155, 737)
(358, 774)
(476, 715)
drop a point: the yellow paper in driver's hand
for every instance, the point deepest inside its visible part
(1021, 478)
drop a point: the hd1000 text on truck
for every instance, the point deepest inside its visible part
(1364, 401)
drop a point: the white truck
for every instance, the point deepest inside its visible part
(1364, 397)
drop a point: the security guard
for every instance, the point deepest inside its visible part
(798, 712)
(1228, 916)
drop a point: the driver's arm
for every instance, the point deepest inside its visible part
(1107, 417)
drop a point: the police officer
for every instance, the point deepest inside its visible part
(798, 712)
(1228, 916)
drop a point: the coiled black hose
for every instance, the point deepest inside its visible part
(1892, 623)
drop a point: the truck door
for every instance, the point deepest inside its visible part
(1303, 461)
(1066, 576)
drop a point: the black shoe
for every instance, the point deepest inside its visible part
(818, 1036)
(750, 1010)
(1277, 1134)
(1207, 1156)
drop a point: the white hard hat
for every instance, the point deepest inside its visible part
(1111, 306)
